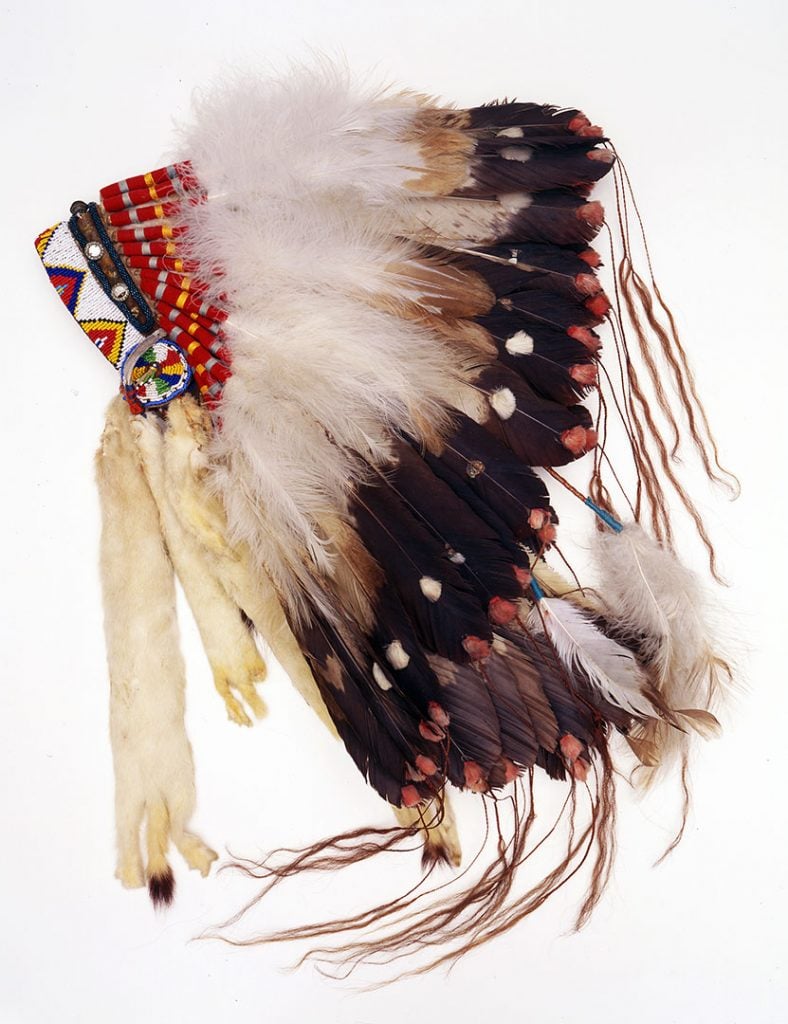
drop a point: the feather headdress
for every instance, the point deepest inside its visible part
(355, 330)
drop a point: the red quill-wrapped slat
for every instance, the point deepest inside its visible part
(140, 214)
(148, 233)
(171, 264)
(178, 176)
(208, 336)
(204, 313)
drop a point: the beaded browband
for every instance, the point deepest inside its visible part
(120, 269)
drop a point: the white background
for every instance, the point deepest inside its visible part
(694, 96)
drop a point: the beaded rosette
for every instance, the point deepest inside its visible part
(119, 267)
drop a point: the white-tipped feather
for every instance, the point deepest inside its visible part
(610, 668)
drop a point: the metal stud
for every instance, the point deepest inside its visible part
(120, 291)
(94, 250)
(474, 468)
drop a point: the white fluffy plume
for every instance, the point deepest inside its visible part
(296, 175)
(662, 604)
(610, 668)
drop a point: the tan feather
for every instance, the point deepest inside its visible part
(444, 149)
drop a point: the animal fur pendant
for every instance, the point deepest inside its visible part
(355, 345)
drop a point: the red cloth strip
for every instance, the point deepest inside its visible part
(198, 355)
(137, 210)
(140, 214)
(160, 248)
(204, 380)
(205, 322)
(181, 173)
(205, 314)
(149, 233)
(169, 263)
(151, 279)
(168, 316)
(140, 196)
(180, 337)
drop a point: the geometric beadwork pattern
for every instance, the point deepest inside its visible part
(68, 284)
(155, 374)
(83, 296)
(107, 336)
(138, 225)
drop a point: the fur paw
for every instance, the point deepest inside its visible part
(197, 855)
(241, 681)
(162, 823)
(129, 871)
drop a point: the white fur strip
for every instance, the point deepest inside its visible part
(235, 661)
(154, 771)
(201, 517)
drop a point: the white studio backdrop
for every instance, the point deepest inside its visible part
(693, 95)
